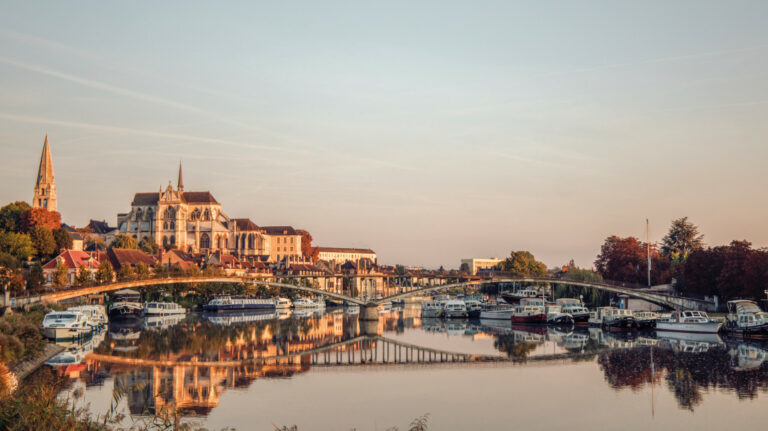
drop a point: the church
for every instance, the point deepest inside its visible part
(194, 222)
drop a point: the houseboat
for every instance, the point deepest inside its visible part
(283, 303)
(597, 315)
(689, 321)
(163, 308)
(746, 319)
(95, 313)
(455, 309)
(576, 309)
(474, 308)
(66, 325)
(306, 303)
(514, 296)
(530, 310)
(556, 316)
(431, 309)
(497, 313)
(227, 303)
(126, 303)
(646, 319)
(619, 318)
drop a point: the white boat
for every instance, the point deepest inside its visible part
(576, 309)
(514, 296)
(95, 313)
(126, 303)
(163, 308)
(556, 316)
(300, 303)
(689, 321)
(746, 318)
(283, 303)
(66, 325)
(431, 309)
(498, 313)
(239, 303)
(455, 309)
(619, 318)
(385, 307)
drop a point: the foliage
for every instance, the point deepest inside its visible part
(59, 277)
(19, 336)
(84, 276)
(142, 271)
(306, 242)
(683, 238)
(63, 239)
(42, 241)
(524, 264)
(125, 273)
(731, 271)
(124, 241)
(34, 217)
(35, 276)
(10, 216)
(18, 245)
(625, 259)
(575, 273)
(105, 273)
(149, 246)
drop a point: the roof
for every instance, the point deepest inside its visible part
(145, 198)
(100, 227)
(126, 256)
(183, 255)
(245, 224)
(95, 246)
(189, 197)
(279, 230)
(344, 250)
(72, 232)
(126, 292)
(72, 259)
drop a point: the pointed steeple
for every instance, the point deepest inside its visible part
(45, 186)
(180, 183)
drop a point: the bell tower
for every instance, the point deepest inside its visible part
(45, 186)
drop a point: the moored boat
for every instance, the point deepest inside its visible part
(96, 314)
(530, 310)
(163, 308)
(514, 296)
(497, 313)
(233, 303)
(126, 303)
(556, 316)
(689, 321)
(619, 318)
(66, 325)
(746, 319)
(646, 319)
(431, 309)
(283, 303)
(474, 308)
(576, 309)
(455, 309)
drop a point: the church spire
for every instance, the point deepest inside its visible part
(45, 187)
(180, 183)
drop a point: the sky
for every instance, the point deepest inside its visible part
(428, 131)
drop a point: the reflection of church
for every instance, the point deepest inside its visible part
(194, 222)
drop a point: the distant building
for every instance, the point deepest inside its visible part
(77, 239)
(285, 242)
(102, 229)
(475, 264)
(120, 257)
(45, 186)
(72, 260)
(340, 254)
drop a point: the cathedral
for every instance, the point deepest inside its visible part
(194, 222)
(45, 187)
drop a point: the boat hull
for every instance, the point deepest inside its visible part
(62, 334)
(699, 328)
(126, 312)
(456, 314)
(238, 307)
(530, 319)
(580, 319)
(496, 315)
(474, 314)
(752, 331)
(622, 324)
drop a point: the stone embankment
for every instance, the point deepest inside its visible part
(24, 368)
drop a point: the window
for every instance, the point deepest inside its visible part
(205, 241)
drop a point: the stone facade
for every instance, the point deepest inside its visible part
(45, 186)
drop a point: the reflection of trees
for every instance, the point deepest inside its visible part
(687, 374)
(514, 349)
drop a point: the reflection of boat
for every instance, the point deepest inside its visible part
(283, 314)
(66, 325)
(495, 324)
(230, 303)
(745, 318)
(688, 321)
(162, 308)
(162, 321)
(76, 351)
(614, 340)
(125, 334)
(682, 342)
(352, 309)
(455, 328)
(747, 356)
(126, 303)
(574, 341)
(242, 317)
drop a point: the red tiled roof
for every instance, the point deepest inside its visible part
(73, 259)
(125, 256)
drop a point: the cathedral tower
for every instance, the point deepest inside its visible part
(45, 187)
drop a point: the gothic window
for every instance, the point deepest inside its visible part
(165, 225)
(139, 213)
(242, 241)
(205, 241)
(207, 215)
(150, 214)
(165, 241)
(45, 203)
(170, 213)
(42, 192)
(172, 225)
(195, 214)
(173, 240)
(220, 242)
(250, 241)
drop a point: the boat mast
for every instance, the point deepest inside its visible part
(648, 249)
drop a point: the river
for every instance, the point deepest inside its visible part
(327, 371)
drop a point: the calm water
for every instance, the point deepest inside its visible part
(328, 371)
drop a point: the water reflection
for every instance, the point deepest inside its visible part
(186, 365)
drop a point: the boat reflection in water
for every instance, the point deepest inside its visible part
(186, 367)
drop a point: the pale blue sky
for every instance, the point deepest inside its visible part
(428, 131)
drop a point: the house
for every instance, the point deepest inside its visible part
(101, 229)
(77, 239)
(72, 260)
(176, 257)
(120, 257)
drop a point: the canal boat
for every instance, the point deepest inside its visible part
(746, 319)
(497, 313)
(619, 318)
(556, 316)
(576, 309)
(474, 308)
(303, 303)
(238, 303)
(689, 321)
(126, 303)
(163, 308)
(67, 325)
(646, 319)
(95, 313)
(596, 316)
(431, 309)
(283, 303)
(530, 310)
(455, 309)
(514, 296)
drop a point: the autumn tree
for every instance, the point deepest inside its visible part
(124, 241)
(125, 273)
(43, 241)
(306, 242)
(105, 273)
(524, 264)
(626, 260)
(63, 239)
(59, 278)
(683, 238)
(83, 277)
(39, 217)
(35, 276)
(10, 216)
(142, 271)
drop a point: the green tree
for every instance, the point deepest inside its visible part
(59, 278)
(142, 271)
(84, 276)
(42, 241)
(524, 264)
(124, 241)
(161, 271)
(63, 239)
(10, 216)
(125, 273)
(18, 245)
(35, 277)
(683, 238)
(105, 273)
(149, 246)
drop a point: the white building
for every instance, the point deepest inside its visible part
(476, 264)
(341, 255)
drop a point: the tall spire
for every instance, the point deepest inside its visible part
(180, 183)
(45, 186)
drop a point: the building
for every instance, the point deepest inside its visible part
(284, 241)
(340, 255)
(120, 257)
(45, 186)
(475, 264)
(72, 260)
(102, 230)
(77, 239)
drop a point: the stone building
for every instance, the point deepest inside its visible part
(45, 186)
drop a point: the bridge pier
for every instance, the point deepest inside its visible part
(369, 312)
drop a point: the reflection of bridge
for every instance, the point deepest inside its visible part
(674, 302)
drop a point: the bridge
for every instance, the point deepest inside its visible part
(368, 310)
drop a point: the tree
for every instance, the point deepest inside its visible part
(10, 216)
(142, 271)
(125, 273)
(683, 238)
(105, 273)
(149, 246)
(124, 241)
(42, 241)
(35, 276)
(306, 242)
(39, 217)
(63, 239)
(18, 245)
(523, 264)
(625, 259)
(59, 278)
(83, 277)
